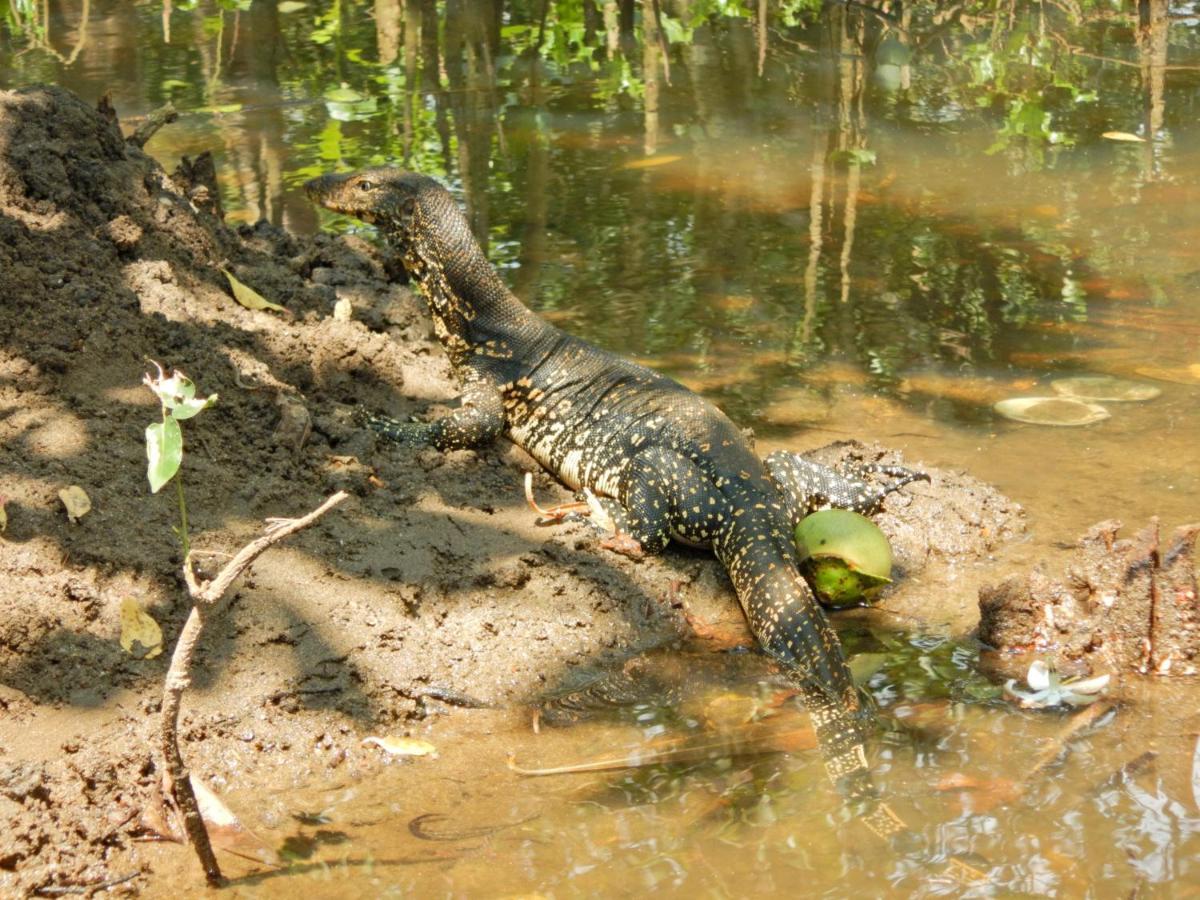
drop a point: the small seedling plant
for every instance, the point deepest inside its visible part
(164, 454)
(164, 440)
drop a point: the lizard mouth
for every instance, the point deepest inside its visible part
(331, 192)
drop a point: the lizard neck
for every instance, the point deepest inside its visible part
(472, 308)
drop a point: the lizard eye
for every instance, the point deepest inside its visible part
(366, 185)
(410, 206)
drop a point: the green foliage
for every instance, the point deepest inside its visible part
(164, 440)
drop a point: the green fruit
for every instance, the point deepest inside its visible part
(844, 556)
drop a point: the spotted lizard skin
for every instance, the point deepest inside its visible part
(666, 463)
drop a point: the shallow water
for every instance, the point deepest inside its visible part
(844, 225)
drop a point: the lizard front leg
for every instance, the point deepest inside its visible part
(808, 486)
(478, 421)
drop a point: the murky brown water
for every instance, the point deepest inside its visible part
(878, 227)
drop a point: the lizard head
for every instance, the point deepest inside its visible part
(401, 204)
(416, 215)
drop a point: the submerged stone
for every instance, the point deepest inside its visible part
(1105, 387)
(1051, 411)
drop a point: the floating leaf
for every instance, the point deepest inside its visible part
(859, 156)
(248, 297)
(1105, 387)
(398, 746)
(344, 94)
(651, 162)
(1050, 411)
(864, 665)
(164, 450)
(1123, 136)
(140, 634)
(1177, 375)
(77, 502)
(223, 108)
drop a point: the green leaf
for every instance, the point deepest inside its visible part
(164, 450)
(185, 409)
(290, 6)
(248, 297)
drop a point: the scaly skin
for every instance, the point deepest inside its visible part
(666, 463)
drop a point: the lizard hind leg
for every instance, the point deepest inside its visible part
(662, 495)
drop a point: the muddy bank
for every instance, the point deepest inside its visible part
(435, 579)
(1121, 605)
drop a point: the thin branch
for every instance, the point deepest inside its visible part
(277, 530)
(204, 599)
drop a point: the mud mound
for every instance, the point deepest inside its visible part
(1122, 605)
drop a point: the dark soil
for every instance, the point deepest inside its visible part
(434, 579)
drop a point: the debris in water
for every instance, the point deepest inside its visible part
(1047, 689)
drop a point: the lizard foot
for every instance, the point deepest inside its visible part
(625, 544)
(409, 434)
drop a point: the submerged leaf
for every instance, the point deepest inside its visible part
(77, 502)
(399, 746)
(1051, 411)
(227, 832)
(248, 297)
(1123, 136)
(651, 162)
(344, 94)
(1106, 388)
(140, 634)
(1176, 375)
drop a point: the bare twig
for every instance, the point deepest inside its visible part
(164, 115)
(205, 597)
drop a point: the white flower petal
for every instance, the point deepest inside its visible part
(1039, 675)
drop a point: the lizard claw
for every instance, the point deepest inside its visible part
(898, 477)
(559, 513)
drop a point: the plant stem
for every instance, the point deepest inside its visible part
(183, 526)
